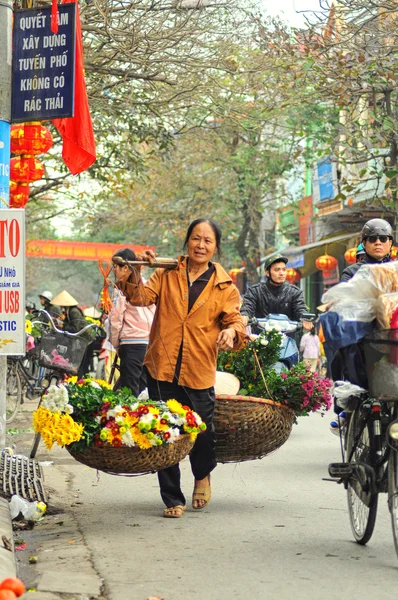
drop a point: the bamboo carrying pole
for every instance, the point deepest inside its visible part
(162, 263)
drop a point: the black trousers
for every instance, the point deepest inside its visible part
(132, 374)
(203, 454)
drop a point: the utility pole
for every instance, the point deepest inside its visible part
(5, 119)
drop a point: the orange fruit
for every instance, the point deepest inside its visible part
(7, 594)
(14, 585)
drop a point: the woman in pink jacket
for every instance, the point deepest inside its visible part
(129, 332)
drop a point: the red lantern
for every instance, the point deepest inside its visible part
(19, 194)
(30, 138)
(24, 169)
(293, 275)
(326, 262)
(326, 274)
(350, 255)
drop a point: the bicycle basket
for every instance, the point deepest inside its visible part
(61, 351)
(381, 356)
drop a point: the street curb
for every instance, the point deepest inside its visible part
(8, 567)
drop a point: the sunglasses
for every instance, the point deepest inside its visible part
(383, 238)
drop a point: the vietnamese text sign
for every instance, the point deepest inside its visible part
(77, 250)
(43, 65)
(12, 281)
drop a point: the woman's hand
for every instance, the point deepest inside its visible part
(148, 256)
(225, 339)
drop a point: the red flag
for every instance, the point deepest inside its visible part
(54, 16)
(78, 151)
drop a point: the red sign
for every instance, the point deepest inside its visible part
(77, 250)
(306, 226)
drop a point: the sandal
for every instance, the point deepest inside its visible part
(174, 512)
(202, 493)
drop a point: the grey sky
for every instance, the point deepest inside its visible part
(289, 10)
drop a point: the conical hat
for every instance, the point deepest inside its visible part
(92, 312)
(226, 383)
(64, 299)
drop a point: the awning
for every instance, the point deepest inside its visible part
(336, 246)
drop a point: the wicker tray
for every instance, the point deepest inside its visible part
(133, 461)
(248, 428)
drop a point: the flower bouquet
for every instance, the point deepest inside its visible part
(299, 388)
(113, 431)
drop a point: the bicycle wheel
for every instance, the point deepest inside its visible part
(13, 393)
(362, 506)
(393, 494)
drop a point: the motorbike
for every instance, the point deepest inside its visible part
(289, 352)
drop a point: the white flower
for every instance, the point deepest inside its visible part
(148, 418)
(94, 384)
(264, 342)
(69, 409)
(174, 434)
(127, 439)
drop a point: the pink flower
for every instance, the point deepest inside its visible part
(284, 375)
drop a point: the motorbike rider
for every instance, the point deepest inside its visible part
(377, 240)
(360, 253)
(275, 295)
(349, 362)
(45, 301)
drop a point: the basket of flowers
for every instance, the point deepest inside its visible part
(112, 431)
(260, 418)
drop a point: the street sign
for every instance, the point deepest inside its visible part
(12, 281)
(324, 181)
(43, 65)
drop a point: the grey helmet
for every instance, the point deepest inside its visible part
(274, 259)
(376, 227)
(47, 295)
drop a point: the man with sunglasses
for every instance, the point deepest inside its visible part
(377, 240)
(349, 362)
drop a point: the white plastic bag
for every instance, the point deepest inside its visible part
(31, 511)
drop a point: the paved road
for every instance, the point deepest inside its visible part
(274, 530)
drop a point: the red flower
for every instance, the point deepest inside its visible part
(163, 421)
(143, 410)
(166, 435)
(117, 442)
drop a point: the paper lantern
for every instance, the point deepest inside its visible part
(30, 138)
(350, 255)
(293, 275)
(326, 262)
(19, 194)
(24, 169)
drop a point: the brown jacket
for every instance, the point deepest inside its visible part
(216, 308)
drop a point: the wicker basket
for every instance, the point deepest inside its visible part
(133, 461)
(248, 428)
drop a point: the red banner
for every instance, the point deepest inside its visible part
(77, 250)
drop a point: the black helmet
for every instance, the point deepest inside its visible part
(376, 227)
(274, 259)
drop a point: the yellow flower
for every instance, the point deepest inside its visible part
(174, 406)
(71, 379)
(28, 326)
(140, 439)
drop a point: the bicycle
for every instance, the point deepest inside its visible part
(370, 459)
(61, 352)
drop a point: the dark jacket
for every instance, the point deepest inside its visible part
(350, 271)
(265, 298)
(75, 321)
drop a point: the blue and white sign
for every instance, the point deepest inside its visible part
(324, 180)
(4, 164)
(296, 260)
(43, 65)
